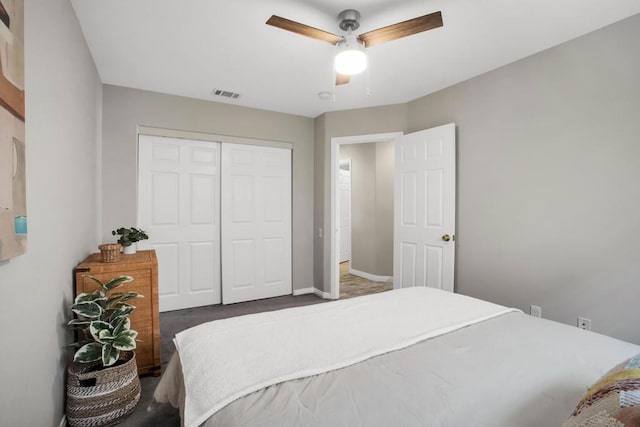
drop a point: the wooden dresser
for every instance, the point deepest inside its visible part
(143, 267)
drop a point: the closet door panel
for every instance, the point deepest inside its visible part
(256, 222)
(179, 207)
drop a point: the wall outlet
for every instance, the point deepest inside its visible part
(320, 233)
(535, 311)
(584, 323)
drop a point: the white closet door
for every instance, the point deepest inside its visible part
(179, 207)
(424, 209)
(256, 222)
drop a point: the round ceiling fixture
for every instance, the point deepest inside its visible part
(351, 59)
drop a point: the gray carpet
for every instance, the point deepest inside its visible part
(173, 322)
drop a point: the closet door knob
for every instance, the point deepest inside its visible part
(446, 237)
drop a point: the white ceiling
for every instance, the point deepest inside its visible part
(190, 47)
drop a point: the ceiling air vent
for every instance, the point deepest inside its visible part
(225, 93)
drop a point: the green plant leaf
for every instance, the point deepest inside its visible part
(121, 323)
(96, 327)
(120, 309)
(117, 282)
(124, 296)
(88, 353)
(122, 306)
(110, 355)
(95, 279)
(90, 310)
(112, 302)
(105, 336)
(78, 323)
(95, 296)
(126, 340)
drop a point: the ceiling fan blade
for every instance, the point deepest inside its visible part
(342, 79)
(305, 30)
(402, 29)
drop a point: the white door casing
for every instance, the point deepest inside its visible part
(179, 207)
(424, 209)
(256, 222)
(344, 184)
(332, 242)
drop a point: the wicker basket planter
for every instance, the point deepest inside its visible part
(102, 397)
(110, 252)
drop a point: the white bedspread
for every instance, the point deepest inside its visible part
(227, 359)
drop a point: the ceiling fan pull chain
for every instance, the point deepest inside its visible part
(368, 81)
(335, 75)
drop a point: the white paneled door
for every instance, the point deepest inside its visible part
(424, 213)
(256, 222)
(179, 207)
(344, 184)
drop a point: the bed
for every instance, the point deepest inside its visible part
(408, 357)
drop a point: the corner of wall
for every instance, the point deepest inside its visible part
(98, 163)
(318, 200)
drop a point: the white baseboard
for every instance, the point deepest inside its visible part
(63, 421)
(318, 292)
(322, 294)
(369, 276)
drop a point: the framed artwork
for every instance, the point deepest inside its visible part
(13, 189)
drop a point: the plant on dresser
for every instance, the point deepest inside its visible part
(129, 238)
(102, 380)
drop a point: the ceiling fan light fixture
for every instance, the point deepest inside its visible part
(352, 59)
(351, 62)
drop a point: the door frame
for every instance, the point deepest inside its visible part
(332, 234)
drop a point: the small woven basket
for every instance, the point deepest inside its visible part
(103, 397)
(110, 252)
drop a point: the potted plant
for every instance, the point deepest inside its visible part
(102, 380)
(129, 238)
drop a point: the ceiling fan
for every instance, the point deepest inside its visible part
(352, 59)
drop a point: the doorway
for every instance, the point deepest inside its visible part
(354, 282)
(363, 182)
(424, 207)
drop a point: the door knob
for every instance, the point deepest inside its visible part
(446, 237)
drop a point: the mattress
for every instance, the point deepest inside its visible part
(506, 370)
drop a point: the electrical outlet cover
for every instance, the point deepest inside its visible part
(584, 323)
(535, 311)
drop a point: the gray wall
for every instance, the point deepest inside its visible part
(372, 206)
(385, 166)
(126, 108)
(549, 180)
(63, 99)
(363, 204)
(319, 134)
